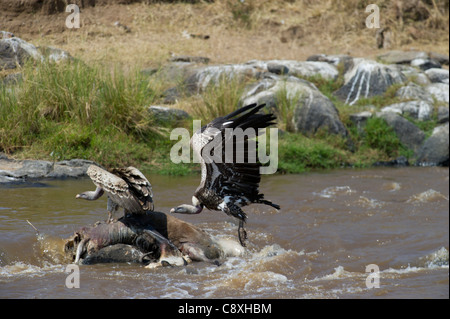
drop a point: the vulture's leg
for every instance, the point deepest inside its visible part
(236, 211)
(242, 233)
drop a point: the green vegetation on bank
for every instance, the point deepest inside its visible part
(71, 110)
(74, 110)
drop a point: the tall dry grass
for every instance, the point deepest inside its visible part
(241, 31)
(74, 110)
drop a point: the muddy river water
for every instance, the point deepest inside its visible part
(372, 233)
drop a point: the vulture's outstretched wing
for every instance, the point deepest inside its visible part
(237, 173)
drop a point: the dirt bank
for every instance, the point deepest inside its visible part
(53, 6)
(225, 31)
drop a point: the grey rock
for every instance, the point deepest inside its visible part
(418, 109)
(398, 57)
(6, 35)
(367, 78)
(23, 170)
(33, 169)
(442, 114)
(312, 110)
(172, 95)
(15, 51)
(189, 59)
(441, 58)
(425, 64)
(70, 168)
(149, 71)
(167, 114)
(413, 73)
(413, 91)
(318, 112)
(435, 150)
(408, 133)
(340, 59)
(199, 78)
(301, 69)
(440, 91)
(6, 179)
(333, 59)
(438, 75)
(175, 71)
(52, 54)
(400, 161)
(279, 69)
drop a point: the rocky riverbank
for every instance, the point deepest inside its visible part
(25, 170)
(418, 83)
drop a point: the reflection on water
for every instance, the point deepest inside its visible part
(331, 226)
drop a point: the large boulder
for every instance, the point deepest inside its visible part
(437, 75)
(197, 77)
(166, 114)
(334, 59)
(402, 57)
(24, 170)
(53, 54)
(69, 168)
(441, 58)
(421, 110)
(15, 51)
(367, 78)
(425, 64)
(418, 59)
(440, 91)
(408, 133)
(415, 74)
(300, 69)
(413, 91)
(311, 110)
(443, 114)
(435, 150)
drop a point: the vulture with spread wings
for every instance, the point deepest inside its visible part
(230, 176)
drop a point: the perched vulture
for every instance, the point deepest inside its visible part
(126, 187)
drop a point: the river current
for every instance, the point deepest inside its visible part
(371, 233)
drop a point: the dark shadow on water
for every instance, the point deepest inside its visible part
(24, 184)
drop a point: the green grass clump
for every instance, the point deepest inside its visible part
(241, 12)
(218, 99)
(70, 110)
(379, 135)
(285, 108)
(298, 153)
